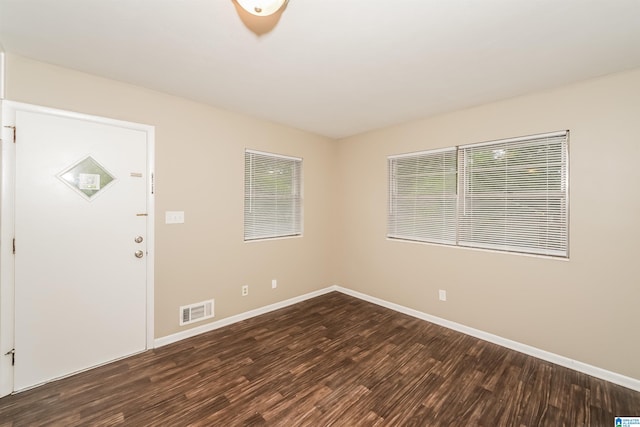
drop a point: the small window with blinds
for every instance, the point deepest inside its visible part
(509, 195)
(423, 196)
(272, 196)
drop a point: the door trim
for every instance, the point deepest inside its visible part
(7, 226)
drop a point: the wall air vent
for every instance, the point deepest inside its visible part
(196, 312)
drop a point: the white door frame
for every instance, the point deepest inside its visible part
(7, 226)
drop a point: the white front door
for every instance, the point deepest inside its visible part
(81, 249)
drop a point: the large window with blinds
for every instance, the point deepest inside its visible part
(509, 195)
(272, 196)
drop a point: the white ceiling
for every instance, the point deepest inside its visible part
(333, 67)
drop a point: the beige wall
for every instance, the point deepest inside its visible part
(195, 144)
(582, 308)
(585, 308)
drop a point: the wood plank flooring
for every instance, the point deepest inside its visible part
(332, 360)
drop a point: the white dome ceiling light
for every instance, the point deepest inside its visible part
(262, 7)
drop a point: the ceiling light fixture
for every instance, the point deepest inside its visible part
(262, 7)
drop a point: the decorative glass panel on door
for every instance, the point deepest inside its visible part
(87, 177)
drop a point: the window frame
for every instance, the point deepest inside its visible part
(556, 244)
(436, 160)
(267, 225)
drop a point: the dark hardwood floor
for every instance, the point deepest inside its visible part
(332, 360)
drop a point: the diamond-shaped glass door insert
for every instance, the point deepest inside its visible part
(87, 177)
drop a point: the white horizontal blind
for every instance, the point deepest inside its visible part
(422, 196)
(513, 195)
(272, 196)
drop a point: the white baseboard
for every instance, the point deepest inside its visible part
(628, 382)
(594, 371)
(169, 339)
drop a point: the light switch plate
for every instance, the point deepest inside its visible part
(174, 217)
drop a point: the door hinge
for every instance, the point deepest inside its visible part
(12, 352)
(14, 246)
(152, 184)
(14, 132)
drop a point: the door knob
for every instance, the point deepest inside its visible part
(139, 254)
(138, 239)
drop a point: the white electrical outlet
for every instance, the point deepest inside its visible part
(442, 295)
(245, 290)
(274, 284)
